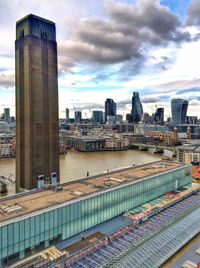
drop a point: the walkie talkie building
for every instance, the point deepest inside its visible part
(179, 111)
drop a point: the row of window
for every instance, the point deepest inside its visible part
(83, 214)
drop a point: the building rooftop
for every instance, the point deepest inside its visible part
(23, 204)
(36, 17)
(121, 231)
(190, 252)
(87, 138)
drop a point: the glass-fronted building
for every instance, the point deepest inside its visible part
(78, 117)
(110, 109)
(97, 117)
(137, 110)
(21, 235)
(179, 111)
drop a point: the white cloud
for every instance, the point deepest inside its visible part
(85, 32)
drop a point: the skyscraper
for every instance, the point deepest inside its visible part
(67, 115)
(37, 133)
(137, 110)
(7, 115)
(97, 117)
(78, 117)
(129, 118)
(179, 111)
(110, 108)
(159, 116)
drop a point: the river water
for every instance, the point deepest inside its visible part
(76, 164)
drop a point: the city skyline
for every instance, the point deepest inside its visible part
(101, 57)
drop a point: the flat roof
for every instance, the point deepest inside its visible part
(87, 138)
(35, 17)
(23, 204)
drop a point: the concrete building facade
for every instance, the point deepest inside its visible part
(7, 115)
(37, 133)
(188, 153)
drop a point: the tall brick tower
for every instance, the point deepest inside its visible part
(37, 130)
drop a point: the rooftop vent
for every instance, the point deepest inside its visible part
(10, 209)
(77, 193)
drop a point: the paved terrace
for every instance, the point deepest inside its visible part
(23, 204)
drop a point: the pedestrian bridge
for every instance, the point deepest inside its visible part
(157, 148)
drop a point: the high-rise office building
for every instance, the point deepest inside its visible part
(67, 115)
(110, 108)
(191, 119)
(7, 115)
(129, 118)
(159, 116)
(179, 111)
(78, 117)
(146, 118)
(137, 110)
(37, 133)
(97, 117)
(119, 119)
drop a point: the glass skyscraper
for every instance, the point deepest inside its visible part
(78, 117)
(97, 117)
(110, 108)
(137, 110)
(179, 111)
(159, 116)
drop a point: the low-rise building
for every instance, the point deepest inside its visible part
(33, 221)
(86, 143)
(165, 137)
(188, 153)
(7, 149)
(117, 143)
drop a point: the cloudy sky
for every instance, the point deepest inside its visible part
(110, 48)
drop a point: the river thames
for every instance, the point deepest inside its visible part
(76, 164)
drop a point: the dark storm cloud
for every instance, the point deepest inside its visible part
(147, 19)
(193, 14)
(7, 81)
(76, 51)
(124, 36)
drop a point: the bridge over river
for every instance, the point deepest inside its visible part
(156, 148)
